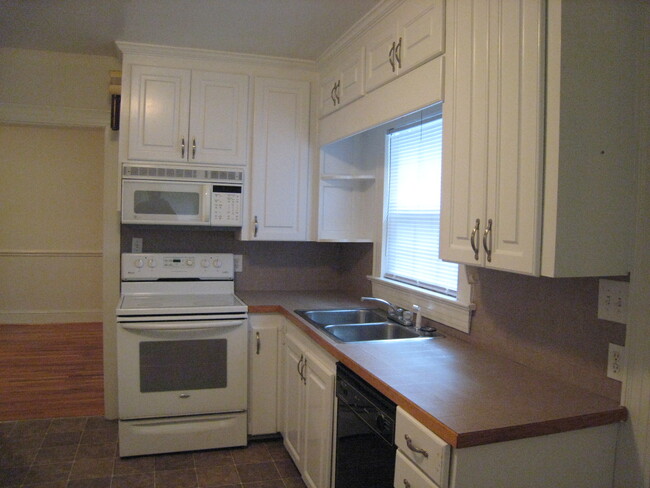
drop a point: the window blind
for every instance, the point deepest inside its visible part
(412, 227)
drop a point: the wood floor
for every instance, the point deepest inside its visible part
(51, 370)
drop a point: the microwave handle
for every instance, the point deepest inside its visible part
(182, 325)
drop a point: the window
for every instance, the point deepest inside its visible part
(408, 271)
(412, 212)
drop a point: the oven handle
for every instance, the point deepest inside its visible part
(182, 325)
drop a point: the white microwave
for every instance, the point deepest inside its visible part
(163, 194)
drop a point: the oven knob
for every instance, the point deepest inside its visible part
(138, 263)
(189, 262)
(205, 263)
(151, 262)
(217, 263)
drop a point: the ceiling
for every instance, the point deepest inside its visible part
(289, 28)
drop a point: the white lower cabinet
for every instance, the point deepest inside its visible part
(263, 362)
(581, 458)
(308, 403)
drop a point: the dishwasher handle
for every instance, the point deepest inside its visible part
(151, 326)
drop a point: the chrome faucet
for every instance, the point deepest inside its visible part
(398, 314)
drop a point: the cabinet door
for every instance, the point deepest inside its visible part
(380, 60)
(293, 398)
(158, 122)
(328, 87)
(280, 168)
(319, 412)
(350, 82)
(219, 118)
(421, 33)
(465, 134)
(263, 374)
(515, 151)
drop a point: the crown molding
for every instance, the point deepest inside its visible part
(139, 49)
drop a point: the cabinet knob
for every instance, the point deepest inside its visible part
(182, 147)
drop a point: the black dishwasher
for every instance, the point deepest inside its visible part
(365, 434)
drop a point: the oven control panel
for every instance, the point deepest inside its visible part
(165, 266)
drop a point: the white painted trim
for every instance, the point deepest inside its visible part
(20, 253)
(185, 53)
(433, 306)
(50, 316)
(16, 113)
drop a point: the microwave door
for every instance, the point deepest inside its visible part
(165, 203)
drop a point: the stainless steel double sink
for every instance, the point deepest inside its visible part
(357, 324)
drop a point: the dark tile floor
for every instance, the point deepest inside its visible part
(81, 452)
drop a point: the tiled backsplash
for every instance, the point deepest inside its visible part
(269, 265)
(549, 324)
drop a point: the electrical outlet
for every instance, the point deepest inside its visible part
(612, 300)
(616, 362)
(136, 245)
(239, 265)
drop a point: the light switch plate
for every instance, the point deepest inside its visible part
(612, 300)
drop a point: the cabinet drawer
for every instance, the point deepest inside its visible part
(425, 449)
(408, 475)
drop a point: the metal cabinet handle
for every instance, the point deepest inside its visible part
(193, 147)
(258, 343)
(332, 94)
(298, 366)
(473, 240)
(418, 450)
(256, 224)
(182, 147)
(391, 57)
(398, 53)
(488, 235)
(406, 483)
(337, 92)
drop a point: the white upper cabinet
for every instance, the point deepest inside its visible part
(403, 40)
(512, 144)
(492, 142)
(185, 115)
(280, 161)
(343, 83)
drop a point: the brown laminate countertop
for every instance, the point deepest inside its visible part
(463, 394)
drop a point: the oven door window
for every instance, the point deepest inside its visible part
(183, 365)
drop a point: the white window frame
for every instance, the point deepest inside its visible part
(447, 310)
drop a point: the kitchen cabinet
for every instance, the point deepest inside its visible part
(184, 115)
(529, 161)
(280, 161)
(577, 459)
(308, 381)
(348, 188)
(263, 362)
(343, 83)
(403, 40)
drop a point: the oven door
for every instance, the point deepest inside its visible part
(165, 203)
(181, 368)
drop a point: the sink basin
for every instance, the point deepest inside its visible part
(357, 324)
(370, 332)
(347, 316)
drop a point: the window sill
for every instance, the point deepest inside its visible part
(447, 311)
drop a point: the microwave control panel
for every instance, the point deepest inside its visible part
(226, 205)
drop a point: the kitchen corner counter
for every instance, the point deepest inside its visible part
(465, 395)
